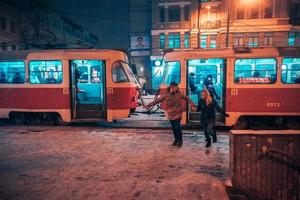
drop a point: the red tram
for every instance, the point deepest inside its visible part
(66, 85)
(253, 84)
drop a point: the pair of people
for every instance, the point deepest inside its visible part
(174, 110)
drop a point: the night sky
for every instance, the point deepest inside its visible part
(107, 19)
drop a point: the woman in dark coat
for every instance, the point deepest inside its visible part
(207, 106)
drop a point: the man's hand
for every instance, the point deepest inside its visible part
(194, 108)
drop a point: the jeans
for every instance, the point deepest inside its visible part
(208, 128)
(176, 127)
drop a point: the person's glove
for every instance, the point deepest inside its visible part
(194, 108)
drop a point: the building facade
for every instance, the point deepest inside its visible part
(31, 25)
(189, 24)
(140, 38)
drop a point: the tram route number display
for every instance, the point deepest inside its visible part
(254, 80)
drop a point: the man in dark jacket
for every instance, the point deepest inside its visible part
(208, 83)
(207, 106)
(174, 110)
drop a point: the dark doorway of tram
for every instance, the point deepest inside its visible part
(88, 89)
(206, 73)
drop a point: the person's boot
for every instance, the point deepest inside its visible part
(179, 143)
(175, 143)
(214, 136)
(208, 144)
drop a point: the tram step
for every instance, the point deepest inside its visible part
(84, 107)
(88, 114)
(195, 116)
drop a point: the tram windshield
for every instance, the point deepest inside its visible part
(171, 73)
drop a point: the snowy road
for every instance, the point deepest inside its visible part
(103, 163)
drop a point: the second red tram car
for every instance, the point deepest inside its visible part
(251, 84)
(66, 85)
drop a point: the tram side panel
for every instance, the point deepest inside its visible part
(29, 97)
(276, 99)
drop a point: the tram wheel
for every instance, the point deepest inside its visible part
(57, 120)
(292, 123)
(17, 118)
(33, 120)
(242, 123)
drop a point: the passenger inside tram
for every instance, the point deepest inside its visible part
(297, 80)
(17, 78)
(192, 83)
(50, 79)
(3, 78)
(208, 83)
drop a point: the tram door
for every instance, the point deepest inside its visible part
(88, 89)
(206, 73)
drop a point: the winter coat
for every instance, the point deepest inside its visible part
(174, 107)
(208, 113)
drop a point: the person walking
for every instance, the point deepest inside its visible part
(174, 110)
(207, 106)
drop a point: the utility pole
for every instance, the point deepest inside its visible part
(227, 29)
(228, 24)
(199, 12)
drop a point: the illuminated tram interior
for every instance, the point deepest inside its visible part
(89, 75)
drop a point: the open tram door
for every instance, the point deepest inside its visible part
(88, 89)
(206, 73)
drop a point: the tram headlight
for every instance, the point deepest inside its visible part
(157, 63)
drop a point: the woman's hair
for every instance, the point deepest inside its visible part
(208, 99)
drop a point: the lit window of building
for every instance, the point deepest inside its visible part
(12, 27)
(162, 40)
(4, 46)
(254, 12)
(3, 23)
(186, 40)
(174, 13)
(268, 10)
(268, 39)
(187, 12)
(292, 39)
(162, 14)
(203, 41)
(253, 39)
(213, 41)
(240, 14)
(174, 40)
(238, 39)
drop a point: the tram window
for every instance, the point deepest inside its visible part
(290, 71)
(12, 72)
(45, 72)
(255, 71)
(118, 73)
(96, 74)
(129, 72)
(89, 71)
(172, 72)
(83, 74)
